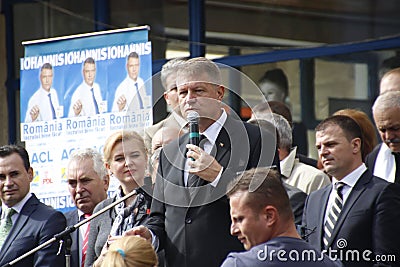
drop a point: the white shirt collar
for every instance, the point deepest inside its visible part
(352, 178)
(213, 130)
(18, 207)
(385, 164)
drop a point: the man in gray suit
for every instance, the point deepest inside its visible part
(88, 184)
(263, 221)
(358, 216)
(26, 223)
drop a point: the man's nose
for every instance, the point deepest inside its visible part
(234, 229)
(8, 181)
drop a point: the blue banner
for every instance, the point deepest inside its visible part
(76, 91)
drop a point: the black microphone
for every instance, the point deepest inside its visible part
(194, 135)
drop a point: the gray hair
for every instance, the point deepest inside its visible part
(200, 69)
(96, 157)
(283, 127)
(385, 101)
(169, 68)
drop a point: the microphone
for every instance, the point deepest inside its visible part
(194, 136)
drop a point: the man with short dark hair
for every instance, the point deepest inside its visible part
(358, 211)
(26, 223)
(263, 221)
(88, 182)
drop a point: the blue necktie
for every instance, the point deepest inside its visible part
(138, 96)
(53, 112)
(96, 107)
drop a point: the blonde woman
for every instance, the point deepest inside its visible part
(125, 158)
(130, 251)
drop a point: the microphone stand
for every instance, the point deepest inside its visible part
(61, 236)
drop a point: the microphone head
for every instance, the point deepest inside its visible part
(193, 116)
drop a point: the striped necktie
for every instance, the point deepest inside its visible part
(333, 214)
(85, 240)
(6, 225)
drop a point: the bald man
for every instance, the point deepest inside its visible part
(390, 81)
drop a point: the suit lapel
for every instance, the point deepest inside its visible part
(355, 193)
(20, 223)
(220, 153)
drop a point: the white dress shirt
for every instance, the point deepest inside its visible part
(127, 88)
(349, 180)
(385, 164)
(84, 94)
(41, 99)
(211, 133)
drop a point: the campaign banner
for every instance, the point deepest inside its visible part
(76, 91)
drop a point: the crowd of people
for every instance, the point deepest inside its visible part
(243, 196)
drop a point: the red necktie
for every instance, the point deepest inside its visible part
(85, 240)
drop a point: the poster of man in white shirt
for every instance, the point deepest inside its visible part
(87, 99)
(131, 92)
(43, 104)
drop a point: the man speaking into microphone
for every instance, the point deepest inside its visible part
(190, 220)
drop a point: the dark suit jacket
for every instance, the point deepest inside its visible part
(371, 157)
(196, 231)
(72, 219)
(297, 199)
(36, 224)
(369, 220)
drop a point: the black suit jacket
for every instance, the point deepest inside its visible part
(297, 199)
(36, 224)
(72, 219)
(371, 157)
(369, 220)
(196, 231)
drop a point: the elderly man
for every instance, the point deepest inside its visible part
(88, 184)
(26, 223)
(390, 81)
(175, 119)
(294, 172)
(384, 160)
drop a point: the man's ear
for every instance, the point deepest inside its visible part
(270, 215)
(30, 174)
(166, 97)
(356, 144)
(106, 181)
(220, 92)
